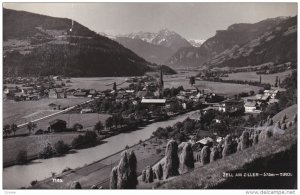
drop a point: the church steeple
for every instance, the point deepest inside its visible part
(161, 83)
(161, 78)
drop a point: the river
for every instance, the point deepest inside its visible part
(21, 175)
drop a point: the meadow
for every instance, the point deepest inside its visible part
(97, 83)
(32, 144)
(252, 76)
(26, 111)
(226, 89)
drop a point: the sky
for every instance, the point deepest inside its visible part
(190, 20)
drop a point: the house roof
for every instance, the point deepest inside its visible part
(205, 141)
(250, 104)
(153, 101)
(57, 121)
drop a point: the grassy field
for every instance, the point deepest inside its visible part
(289, 112)
(227, 89)
(98, 173)
(252, 76)
(25, 111)
(33, 144)
(101, 83)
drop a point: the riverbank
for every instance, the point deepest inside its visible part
(35, 143)
(41, 169)
(97, 173)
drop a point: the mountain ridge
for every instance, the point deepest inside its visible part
(235, 34)
(36, 44)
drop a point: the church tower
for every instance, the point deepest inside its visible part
(161, 83)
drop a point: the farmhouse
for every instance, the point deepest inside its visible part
(252, 107)
(231, 105)
(154, 101)
(57, 125)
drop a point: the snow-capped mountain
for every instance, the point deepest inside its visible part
(164, 37)
(112, 37)
(196, 42)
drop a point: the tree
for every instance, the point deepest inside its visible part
(159, 172)
(115, 86)
(276, 82)
(123, 172)
(260, 79)
(114, 178)
(14, 128)
(133, 174)
(61, 148)
(144, 175)
(109, 122)
(187, 158)
(99, 127)
(192, 80)
(149, 174)
(47, 152)
(75, 185)
(31, 126)
(172, 160)
(205, 155)
(245, 142)
(22, 157)
(6, 130)
(227, 150)
(214, 155)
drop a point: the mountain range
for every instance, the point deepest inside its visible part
(42, 45)
(154, 47)
(244, 44)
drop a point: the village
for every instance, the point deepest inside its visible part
(145, 100)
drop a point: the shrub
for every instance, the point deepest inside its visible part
(66, 169)
(47, 152)
(283, 126)
(271, 122)
(172, 160)
(290, 123)
(264, 135)
(77, 127)
(205, 155)
(158, 150)
(283, 119)
(60, 147)
(159, 172)
(245, 143)
(227, 150)
(214, 155)
(89, 139)
(75, 185)
(187, 158)
(113, 178)
(149, 174)
(32, 183)
(278, 124)
(123, 171)
(21, 157)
